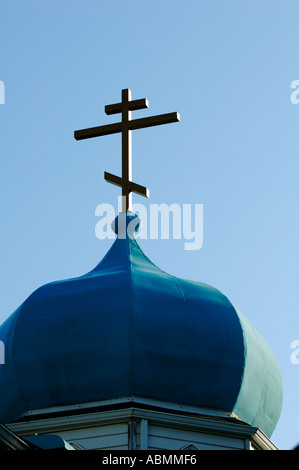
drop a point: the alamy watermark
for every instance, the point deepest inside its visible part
(295, 94)
(295, 354)
(160, 221)
(2, 92)
(294, 357)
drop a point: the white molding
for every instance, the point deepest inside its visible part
(172, 416)
(211, 425)
(129, 399)
(262, 441)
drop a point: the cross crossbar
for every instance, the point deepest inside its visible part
(132, 125)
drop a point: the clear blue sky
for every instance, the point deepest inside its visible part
(226, 67)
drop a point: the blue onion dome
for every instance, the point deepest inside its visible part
(127, 328)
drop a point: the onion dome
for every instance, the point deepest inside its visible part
(127, 328)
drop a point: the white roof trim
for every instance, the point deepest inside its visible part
(130, 399)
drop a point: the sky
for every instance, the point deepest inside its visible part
(227, 68)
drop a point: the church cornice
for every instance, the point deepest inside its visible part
(136, 412)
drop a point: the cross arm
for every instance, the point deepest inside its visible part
(98, 131)
(134, 187)
(134, 124)
(132, 106)
(154, 121)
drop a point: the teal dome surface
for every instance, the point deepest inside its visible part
(127, 328)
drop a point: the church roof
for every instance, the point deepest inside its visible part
(127, 328)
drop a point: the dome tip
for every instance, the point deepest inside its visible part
(126, 224)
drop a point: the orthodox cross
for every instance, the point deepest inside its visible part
(125, 127)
